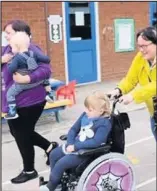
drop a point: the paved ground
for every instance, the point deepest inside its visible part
(140, 144)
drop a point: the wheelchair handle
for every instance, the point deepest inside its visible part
(114, 105)
(115, 97)
(116, 100)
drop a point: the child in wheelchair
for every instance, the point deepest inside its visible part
(90, 131)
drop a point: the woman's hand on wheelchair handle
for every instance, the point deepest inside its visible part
(114, 94)
(126, 99)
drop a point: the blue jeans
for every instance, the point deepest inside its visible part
(154, 130)
(59, 163)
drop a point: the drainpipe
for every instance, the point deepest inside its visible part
(46, 27)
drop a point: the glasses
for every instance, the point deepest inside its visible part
(144, 46)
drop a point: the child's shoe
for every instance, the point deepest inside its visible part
(50, 97)
(44, 188)
(42, 184)
(42, 181)
(12, 114)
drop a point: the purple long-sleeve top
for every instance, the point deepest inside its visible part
(28, 97)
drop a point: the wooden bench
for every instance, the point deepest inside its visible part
(53, 107)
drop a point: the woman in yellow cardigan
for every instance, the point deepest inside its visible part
(143, 73)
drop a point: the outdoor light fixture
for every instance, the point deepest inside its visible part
(55, 31)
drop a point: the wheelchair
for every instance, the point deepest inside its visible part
(107, 168)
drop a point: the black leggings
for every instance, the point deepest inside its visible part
(22, 129)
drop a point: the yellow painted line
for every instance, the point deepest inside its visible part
(133, 159)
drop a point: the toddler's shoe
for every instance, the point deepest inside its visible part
(12, 114)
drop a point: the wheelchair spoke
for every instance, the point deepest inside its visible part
(109, 170)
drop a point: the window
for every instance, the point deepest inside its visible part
(80, 20)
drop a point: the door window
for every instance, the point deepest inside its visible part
(80, 20)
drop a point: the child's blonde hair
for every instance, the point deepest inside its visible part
(21, 40)
(98, 101)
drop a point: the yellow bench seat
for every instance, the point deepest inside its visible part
(58, 103)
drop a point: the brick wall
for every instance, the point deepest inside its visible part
(113, 65)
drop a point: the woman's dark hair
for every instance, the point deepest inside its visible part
(19, 25)
(148, 34)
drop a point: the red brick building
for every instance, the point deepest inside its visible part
(86, 51)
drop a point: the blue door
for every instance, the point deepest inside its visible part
(153, 13)
(81, 41)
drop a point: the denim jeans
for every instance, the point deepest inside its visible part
(59, 163)
(154, 130)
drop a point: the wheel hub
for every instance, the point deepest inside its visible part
(109, 185)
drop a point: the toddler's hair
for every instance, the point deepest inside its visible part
(98, 101)
(20, 39)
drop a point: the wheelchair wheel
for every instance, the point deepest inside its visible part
(110, 172)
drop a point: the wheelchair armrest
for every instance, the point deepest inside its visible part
(102, 149)
(63, 137)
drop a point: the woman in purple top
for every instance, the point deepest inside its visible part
(30, 104)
